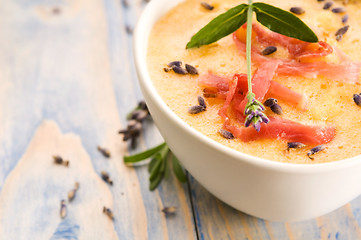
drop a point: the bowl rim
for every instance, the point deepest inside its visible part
(140, 42)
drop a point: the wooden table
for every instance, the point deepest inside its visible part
(67, 81)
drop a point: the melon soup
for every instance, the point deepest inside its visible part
(323, 96)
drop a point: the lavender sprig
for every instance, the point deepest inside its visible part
(254, 109)
(254, 113)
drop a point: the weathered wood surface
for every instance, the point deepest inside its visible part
(66, 83)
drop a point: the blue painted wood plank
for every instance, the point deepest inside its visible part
(69, 61)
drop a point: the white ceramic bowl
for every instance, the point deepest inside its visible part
(259, 187)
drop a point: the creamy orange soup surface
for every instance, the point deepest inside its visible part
(328, 101)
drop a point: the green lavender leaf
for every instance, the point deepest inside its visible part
(220, 27)
(156, 168)
(178, 170)
(155, 182)
(283, 22)
(143, 155)
(152, 163)
(274, 18)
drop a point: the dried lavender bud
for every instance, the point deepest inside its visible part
(269, 50)
(315, 150)
(276, 108)
(338, 10)
(327, 5)
(108, 212)
(63, 209)
(179, 70)
(202, 102)
(340, 32)
(270, 101)
(59, 160)
(128, 29)
(357, 99)
(207, 6)
(125, 3)
(104, 151)
(196, 109)
(295, 145)
(297, 10)
(226, 134)
(209, 93)
(191, 70)
(72, 193)
(106, 178)
(345, 18)
(175, 63)
(169, 210)
(139, 115)
(142, 105)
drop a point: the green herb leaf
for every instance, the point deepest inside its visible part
(220, 27)
(283, 22)
(152, 163)
(156, 168)
(178, 170)
(155, 182)
(144, 155)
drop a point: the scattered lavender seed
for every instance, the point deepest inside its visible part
(167, 69)
(297, 10)
(196, 109)
(315, 150)
(270, 101)
(327, 5)
(59, 160)
(125, 3)
(320, 0)
(169, 210)
(269, 50)
(128, 29)
(106, 178)
(142, 105)
(191, 70)
(104, 151)
(276, 108)
(340, 32)
(338, 10)
(108, 212)
(175, 63)
(56, 11)
(202, 102)
(295, 145)
(63, 209)
(139, 115)
(357, 99)
(179, 70)
(345, 18)
(207, 6)
(209, 95)
(72, 193)
(226, 134)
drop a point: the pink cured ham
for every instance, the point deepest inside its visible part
(219, 85)
(345, 71)
(261, 82)
(291, 131)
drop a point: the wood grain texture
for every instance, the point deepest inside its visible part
(216, 220)
(66, 70)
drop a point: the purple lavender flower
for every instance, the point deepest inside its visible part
(254, 113)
